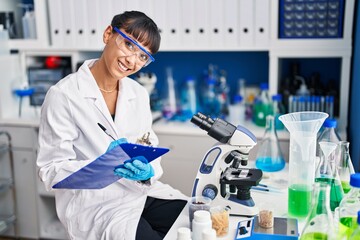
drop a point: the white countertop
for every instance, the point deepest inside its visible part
(277, 201)
(188, 128)
(160, 126)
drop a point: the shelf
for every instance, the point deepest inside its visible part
(5, 184)
(5, 222)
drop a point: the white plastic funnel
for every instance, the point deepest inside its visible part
(303, 128)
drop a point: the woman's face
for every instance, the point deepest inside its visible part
(118, 60)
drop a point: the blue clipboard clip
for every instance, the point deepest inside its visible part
(100, 172)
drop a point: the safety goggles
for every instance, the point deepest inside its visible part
(130, 47)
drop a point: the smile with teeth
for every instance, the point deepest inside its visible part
(123, 67)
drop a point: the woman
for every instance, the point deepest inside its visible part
(137, 206)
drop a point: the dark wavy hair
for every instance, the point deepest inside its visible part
(140, 27)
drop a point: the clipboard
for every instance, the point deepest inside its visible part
(100, 172)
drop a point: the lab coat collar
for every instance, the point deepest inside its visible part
(89, 89)
(86, 81)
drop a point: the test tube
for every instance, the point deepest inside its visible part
(329, 106)
(290, 104)
(312, 103)
(301, 104)
(317, 103)
(322, 104)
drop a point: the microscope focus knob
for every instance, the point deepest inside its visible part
(210, 191)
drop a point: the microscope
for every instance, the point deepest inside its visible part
(222, 175)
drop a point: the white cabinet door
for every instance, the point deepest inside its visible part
(26, 193)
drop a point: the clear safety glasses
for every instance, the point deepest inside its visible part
(130, 47)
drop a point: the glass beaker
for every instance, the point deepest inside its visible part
(327, 173)
(344, 165)
(319, 223)
(303, 128)
(269, 156)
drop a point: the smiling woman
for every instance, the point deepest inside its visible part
(137, 206)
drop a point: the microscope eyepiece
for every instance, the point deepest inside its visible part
(219, 129)
(202, 121)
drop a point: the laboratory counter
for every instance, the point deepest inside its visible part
(275, 200)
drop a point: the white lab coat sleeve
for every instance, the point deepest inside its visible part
(56, 157)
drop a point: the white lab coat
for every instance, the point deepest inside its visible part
(69, 138)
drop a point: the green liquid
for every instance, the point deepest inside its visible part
(346, 186)
(336, 191)
(314, 236)
(299, 200)
(347, 226)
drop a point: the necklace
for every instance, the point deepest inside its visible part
(108, 91)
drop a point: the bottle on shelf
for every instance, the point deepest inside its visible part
(28, 22)
(290, 84)
(262, 106)
(345, 166)
(170, 104)
(319, 222)
(356, 234)
(188, 98)
(211, 105)
(237, 111)
(269, 157)
(303, 90)
(326, 172)
(222, 94)
(349, 207)
(278, 109)
(4, 41)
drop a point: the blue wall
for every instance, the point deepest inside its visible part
(252, 66)
(354, 121)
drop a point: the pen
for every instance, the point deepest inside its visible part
(260, 189)
(105, 131)
(265, 189)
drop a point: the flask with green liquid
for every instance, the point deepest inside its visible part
(345, 167)
(349, 207)
(356, 234)
(327, 172)
(319, 223)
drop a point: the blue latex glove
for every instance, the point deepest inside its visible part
(137, 169)
(116, 143)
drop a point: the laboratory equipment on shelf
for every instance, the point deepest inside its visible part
(222, 174)
(278, 109)
(262, 105)
(319, 223)
(7, 214)
(269, 157)
(210, 102)
(169, 106)
(303, 127)
(344, 165)
(237, 111)
(349, 207)
(327, 173)
(21, 93)
(188, 98)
